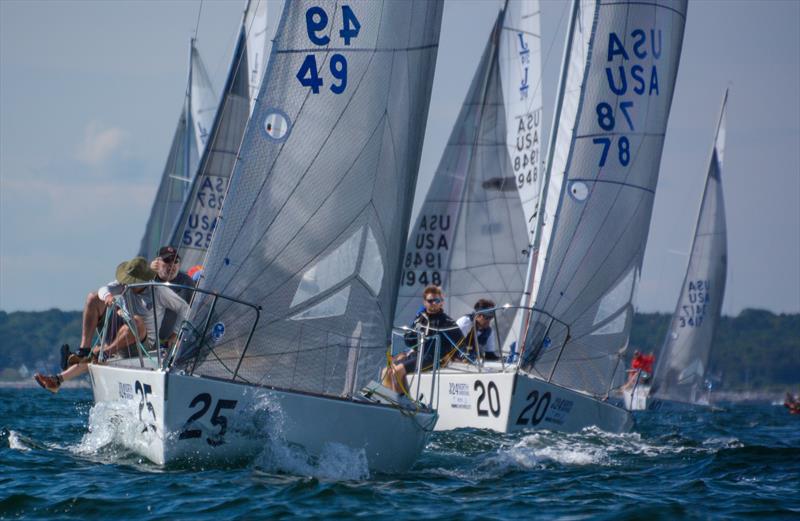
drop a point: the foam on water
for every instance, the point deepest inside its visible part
(591, 446)
(15, 442)
(113, 425)
(336, 462)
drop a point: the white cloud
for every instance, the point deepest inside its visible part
(99, 143)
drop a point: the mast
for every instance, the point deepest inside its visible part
(533, 253)
(187, 172)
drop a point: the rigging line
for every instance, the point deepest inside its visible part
(197, 25)
(549, 50)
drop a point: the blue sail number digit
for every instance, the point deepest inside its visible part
(316, 21)
(350, 25)
(308, 75)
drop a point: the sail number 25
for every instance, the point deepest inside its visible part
(204, 400)
(316, 24)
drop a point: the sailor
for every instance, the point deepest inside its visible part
(167, 267)
(431, 323)
(641, 367)
(141, 324)
(477, 330)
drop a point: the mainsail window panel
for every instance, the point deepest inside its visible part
(616, 298)
(333, 306)
(615, 326)
(372, 264)
(330, 271)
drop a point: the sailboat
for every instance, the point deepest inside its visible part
(591, 224)
(193, 228)
(292, 320)
(680, 374)
(188, 144)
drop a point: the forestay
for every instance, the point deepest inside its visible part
(614, 103)
(188, 144)
(472, 233)
(195, 226)
(313, 224)
(680, 372)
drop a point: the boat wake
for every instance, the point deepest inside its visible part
(498, 455)
(336, 462)
(114, 431)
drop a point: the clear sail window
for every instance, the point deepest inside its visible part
(578, 190)
(372, 264)
(616, 298)
(329, 271)
(333, 306)
(276, 125)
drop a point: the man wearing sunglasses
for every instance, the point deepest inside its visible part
(167, 267)
(477, 330)
(431, 323)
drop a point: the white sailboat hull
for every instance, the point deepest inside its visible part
(206, 420)
(637, 398)
(509, 401)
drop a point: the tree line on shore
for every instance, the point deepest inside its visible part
(756, 350)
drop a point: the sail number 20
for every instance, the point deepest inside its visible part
(316, 23)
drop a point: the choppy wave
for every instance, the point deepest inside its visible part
(65, 458)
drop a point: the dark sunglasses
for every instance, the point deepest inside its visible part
(170, 260)
(433, 300)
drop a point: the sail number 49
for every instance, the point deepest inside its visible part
(316, 23)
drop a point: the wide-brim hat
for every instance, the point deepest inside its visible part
(135, 271)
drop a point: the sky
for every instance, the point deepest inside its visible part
(90, 93)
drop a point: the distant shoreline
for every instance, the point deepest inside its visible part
(82, 383)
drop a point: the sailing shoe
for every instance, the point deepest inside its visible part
(83, 355)
(49, 382)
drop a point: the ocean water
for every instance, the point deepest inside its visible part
(61, 458)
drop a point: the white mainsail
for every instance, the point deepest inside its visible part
(683, 361)
(316, 216)
(616, 92)
(195, 225)
(473, 230)
(188, 143)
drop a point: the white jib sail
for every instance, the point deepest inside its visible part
(472, 231)
(194, 229)
(181, 162)
(683, 361)
(614, 103)
(316, 217)
(203, 104)
(258, 44)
